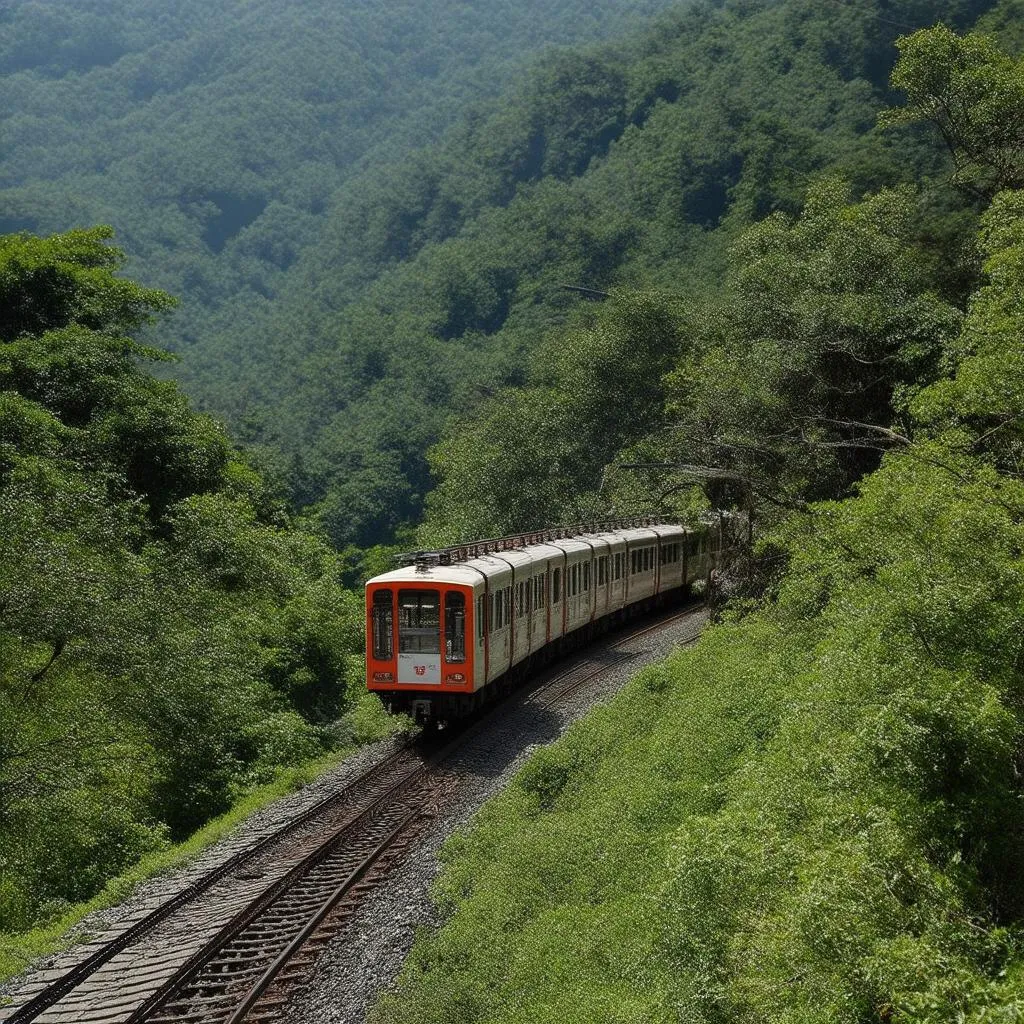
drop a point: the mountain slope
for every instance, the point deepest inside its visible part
(212, 136)
(634, 163)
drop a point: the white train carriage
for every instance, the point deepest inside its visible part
(449, 628)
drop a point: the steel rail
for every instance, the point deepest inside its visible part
(174, 985)
(267, 979)
(271, 973)
(74, 977)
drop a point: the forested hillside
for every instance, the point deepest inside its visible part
(805, 296)
(633, 165)
(816, 814)
(214, 136)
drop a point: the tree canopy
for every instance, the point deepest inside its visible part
(167, 635)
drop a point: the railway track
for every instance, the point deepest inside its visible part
(229, 947)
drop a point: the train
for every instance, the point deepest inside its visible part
(451, 630)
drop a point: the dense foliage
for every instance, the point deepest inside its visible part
(167, 637)
(215, 136)
(817, 813)
(625, 166)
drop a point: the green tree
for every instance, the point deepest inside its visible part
(973, 93)
(167, 635)
(536, 456)
(792, 377)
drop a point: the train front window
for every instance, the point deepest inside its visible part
(454, 627)
(383, 625)
(419, 622)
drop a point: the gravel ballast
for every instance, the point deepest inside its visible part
(104, 924)
(364, 959)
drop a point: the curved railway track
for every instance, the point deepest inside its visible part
(228, 947)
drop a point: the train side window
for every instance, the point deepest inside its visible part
(556, 587)
(508, 605)
(454, 627)
(496, 600)
(383, 625)
(586, 576)
(480, 625)
(618, 566)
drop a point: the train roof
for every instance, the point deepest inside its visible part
(465, 564)
(458, 575)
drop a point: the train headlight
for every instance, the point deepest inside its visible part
(456, 677)
(383, 677)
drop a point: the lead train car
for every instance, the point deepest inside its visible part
(443, 636)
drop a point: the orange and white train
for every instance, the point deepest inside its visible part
(450, 628)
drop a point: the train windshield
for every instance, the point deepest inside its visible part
(419, 622)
